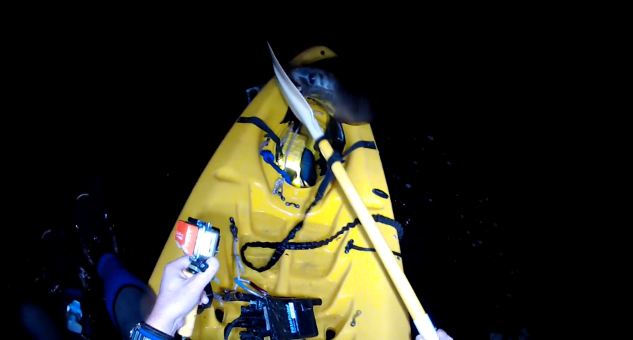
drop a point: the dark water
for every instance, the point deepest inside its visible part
(454, 128)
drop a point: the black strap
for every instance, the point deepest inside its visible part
(327, 178)
(285, 244)
(388, 221)
(281, 247)
(368, 144)
(260, 124)
(360, 144)
(317, 141)
(350, 245)
(380, 193)
(336, 157)
(267, 156)
(235, 323)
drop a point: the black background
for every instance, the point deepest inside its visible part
(471, 124)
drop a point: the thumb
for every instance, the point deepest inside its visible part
(202, 279)
(204, 299)
(177, 265)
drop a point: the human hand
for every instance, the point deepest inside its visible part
(178, 295)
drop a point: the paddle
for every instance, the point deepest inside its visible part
(304, 113)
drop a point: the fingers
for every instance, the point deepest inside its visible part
(204, 299)
(186, 274)
(214, 265)
(178, 268)
(200, 280)
(208, 274)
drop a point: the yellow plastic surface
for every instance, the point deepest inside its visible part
(238, 183)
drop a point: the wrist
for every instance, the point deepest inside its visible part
(164, 323)
(143, 331)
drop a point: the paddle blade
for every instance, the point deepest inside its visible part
(295, 100)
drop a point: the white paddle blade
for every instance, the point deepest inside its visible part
(295, 100)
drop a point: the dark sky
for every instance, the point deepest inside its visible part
(467, 125)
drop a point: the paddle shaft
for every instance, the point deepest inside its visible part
(303, 111)
(406, 292)
(419, 316)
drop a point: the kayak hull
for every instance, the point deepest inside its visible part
(358, 300)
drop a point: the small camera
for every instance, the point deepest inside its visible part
(199, 240)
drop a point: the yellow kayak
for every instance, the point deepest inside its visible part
(262, 179)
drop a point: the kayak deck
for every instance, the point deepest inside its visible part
(237, 183)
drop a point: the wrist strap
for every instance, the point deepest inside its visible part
(143, 331)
